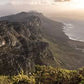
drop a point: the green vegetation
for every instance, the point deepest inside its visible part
(23, 79)
(46, 75)
(63, 53)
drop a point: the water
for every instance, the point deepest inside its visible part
(74, 29)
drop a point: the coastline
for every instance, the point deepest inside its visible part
(68, 27)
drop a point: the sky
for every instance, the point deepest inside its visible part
(46, 6)
(28, 1)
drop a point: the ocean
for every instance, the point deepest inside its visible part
(74, 29)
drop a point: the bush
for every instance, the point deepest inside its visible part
(23, 79)
(50, 75)
(46, 75)
(5, 80)
(82, 82)
(81, 71)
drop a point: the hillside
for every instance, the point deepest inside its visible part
(21, 46)
(28, 39)
(48, 26)
(46, 75)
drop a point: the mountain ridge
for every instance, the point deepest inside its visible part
(33, 39)
(19, 47)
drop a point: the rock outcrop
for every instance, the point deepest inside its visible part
(28, 39)
(21, 47)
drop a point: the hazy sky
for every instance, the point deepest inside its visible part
(46, 6)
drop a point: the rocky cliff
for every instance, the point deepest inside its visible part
(28, 39)
(21, 47)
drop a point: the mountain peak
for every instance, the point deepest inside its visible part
(30, 12)
(20, 17)
(22, 13)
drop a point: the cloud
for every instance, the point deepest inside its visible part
(3, 2)
(33, 2)
(61, 0)
(44, 6)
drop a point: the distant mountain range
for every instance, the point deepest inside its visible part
(29, 39)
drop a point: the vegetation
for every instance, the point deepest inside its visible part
(23, 79)
(46, 75)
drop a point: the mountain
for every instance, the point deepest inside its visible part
(21, 47)
(29, 39)
(49, 26)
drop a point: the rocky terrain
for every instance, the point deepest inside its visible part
(29, 39)
(21, 47)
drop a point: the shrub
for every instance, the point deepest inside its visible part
(50, 75)
(23, 79)
(82, 82)
(5, 80)
(46, 75)
(81, 71)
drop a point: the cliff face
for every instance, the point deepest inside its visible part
(21, 47)
(28, 39)
(49, 27)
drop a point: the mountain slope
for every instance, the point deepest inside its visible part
(48, 26)
(42, 41)
(21, 47)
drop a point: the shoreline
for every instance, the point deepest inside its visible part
(69, 31)
(66, 29)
